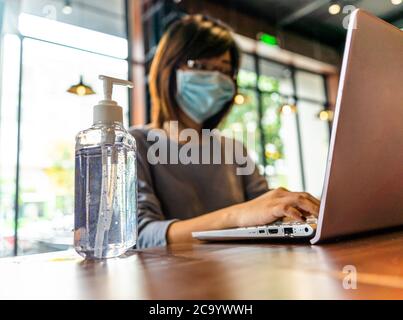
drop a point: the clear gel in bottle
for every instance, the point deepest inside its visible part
(105, 210)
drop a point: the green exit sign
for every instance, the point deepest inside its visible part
(268, 39)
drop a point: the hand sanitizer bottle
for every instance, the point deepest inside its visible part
(105, 182)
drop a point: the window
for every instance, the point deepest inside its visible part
(52, 51)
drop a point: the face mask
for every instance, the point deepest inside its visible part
(202, 94)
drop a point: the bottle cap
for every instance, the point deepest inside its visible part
(107, 110)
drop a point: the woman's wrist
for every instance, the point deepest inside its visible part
(230, 217)
(234, 214)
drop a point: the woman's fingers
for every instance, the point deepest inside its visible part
(293, 213)
(308, 206)
(290, 205)
(312, 198)
(284, 193)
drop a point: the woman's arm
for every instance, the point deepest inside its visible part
(262, 210)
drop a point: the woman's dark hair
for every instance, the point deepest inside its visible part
(192, 37)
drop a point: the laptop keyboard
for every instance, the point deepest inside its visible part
(309, 220)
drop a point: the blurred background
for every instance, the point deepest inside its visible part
(52, 51)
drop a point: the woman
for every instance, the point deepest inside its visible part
(192, 82)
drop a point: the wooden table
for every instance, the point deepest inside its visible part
(215, 271)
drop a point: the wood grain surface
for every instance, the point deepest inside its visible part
(215, 271)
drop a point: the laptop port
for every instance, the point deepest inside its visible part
(261, 231)
(288, 231)
(273, 231)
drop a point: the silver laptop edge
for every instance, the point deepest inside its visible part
(292, 230)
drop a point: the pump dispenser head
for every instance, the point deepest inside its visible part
(107, 110)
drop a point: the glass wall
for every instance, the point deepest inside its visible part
(11, 47)
(280, 105)
(45, 50)
(314, 132)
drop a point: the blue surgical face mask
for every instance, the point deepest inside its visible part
(202, 94)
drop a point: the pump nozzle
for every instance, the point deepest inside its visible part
(107, 110)
(108, 85)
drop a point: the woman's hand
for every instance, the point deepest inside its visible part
(273, 205)
(263, 210)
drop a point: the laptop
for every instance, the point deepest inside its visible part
(363, 187)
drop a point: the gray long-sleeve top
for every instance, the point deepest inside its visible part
(170, 192)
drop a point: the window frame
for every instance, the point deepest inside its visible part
(295, 97)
